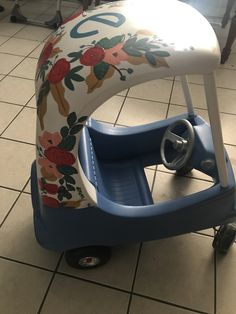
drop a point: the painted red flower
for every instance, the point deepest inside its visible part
(48, 187)
(59, 71)
(92, 56)
(50, 202)
(59, 156)
(46, 53)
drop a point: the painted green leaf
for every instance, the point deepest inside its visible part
(107, 43)
(77, 77)
(75, 55)
(71, 119)
(151, 58)
(131, 42)
(67, 143)
(160, 53)
(76, 69)
(69, 179)
(131, 52)
(64, 131)
(70, 187)
(68, 83)
(67, 170)
(100, 70)
(82, 119)
(76, 129)
(141, 43)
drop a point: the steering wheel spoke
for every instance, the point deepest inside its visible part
(183, 146)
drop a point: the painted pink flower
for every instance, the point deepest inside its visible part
(115, 55)
(50, 167)
(49, 139)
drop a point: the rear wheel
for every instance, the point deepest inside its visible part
(88, 257)
(224, 238)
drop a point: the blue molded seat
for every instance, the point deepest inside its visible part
(121, 181)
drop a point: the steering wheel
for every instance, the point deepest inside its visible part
(179, 139)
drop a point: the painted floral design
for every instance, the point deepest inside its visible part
(104, 56)
(57, 164)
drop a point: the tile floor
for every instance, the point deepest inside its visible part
(176, 276)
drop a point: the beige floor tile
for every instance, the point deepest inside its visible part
(15, 163)
(16, 90)
(230, 63)
(118, 272)
(26, 69)
(27, 189)
(109, 110)
(138, 111)
(227, 99)
(36, 52)
(210, 232)
(9, 29)
(7, 198)
(33, 33)
(232, 156)
(150, 176)
(67, 294)
(179, 270)
(7, 114)
(3, 39)
(226, 78)
(169, 187)
(195, 174)
(197, 93)
(228, 122)
(22, 288)
(17, 239)
(123, 93)
(20, 47)
(8, 62)
(18, 130)
(158, 90)
(141, 305)
(229, 128)
(226, 277)
(32, 103)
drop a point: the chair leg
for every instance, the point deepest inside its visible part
(230, 40)
(227, 13)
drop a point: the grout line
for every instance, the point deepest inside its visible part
(122, 106)
(50, 284)
(97, 283)
(16, 141)
(135, 274)
(169, 303)
(25, 264)
(14, 203)
(8, 188)
(186, 176)
(169, 102)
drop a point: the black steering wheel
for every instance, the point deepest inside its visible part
(179, 138)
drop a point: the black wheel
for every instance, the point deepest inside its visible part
(224, 238)
(88, 257)
(184, 170)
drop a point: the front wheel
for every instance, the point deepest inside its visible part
(88, 257)
(224, 238)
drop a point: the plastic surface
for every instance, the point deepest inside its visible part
(93, 56)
